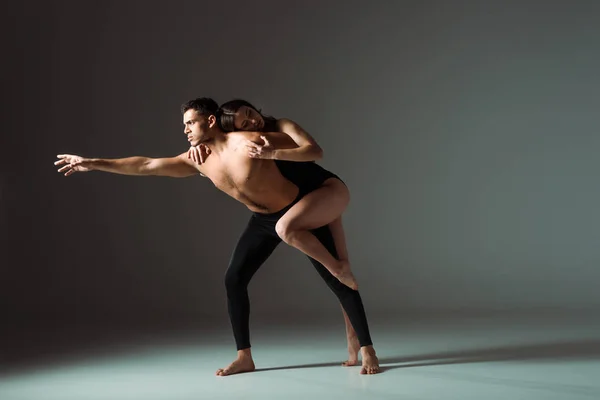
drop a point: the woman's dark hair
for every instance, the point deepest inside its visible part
(203, 105)
(226, 116)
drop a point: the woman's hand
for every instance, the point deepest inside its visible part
(199, 153)
(265, 151)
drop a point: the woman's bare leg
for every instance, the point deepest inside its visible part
(339, 237)
(319, 208)
(337, 231)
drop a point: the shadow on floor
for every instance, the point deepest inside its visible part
(582, 349)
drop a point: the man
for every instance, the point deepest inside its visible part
(256, 183)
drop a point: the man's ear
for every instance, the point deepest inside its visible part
(212, 120)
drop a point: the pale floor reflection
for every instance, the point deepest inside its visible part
(481, 358)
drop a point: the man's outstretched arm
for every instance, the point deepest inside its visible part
(176, 167)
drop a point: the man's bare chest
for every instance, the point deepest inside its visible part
(232, 171)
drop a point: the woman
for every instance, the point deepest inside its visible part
(327, 196)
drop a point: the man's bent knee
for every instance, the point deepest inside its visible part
(234, 281)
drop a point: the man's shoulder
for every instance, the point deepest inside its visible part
(244, 135)
(290, 127)
(184, 159)
(283, 121)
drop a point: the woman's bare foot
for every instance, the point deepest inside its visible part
(370, 362)
(344, 275)
(243, 363)
(353, 349)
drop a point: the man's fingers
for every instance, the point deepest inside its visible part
(60, 162)
(66, 167)
(69, 172)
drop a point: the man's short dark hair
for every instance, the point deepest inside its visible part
(203, 105)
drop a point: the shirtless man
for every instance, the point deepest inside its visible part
(256, 183)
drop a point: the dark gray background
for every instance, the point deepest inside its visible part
(466, 131)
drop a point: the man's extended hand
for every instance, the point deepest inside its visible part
(73, 164)
(265, 150)
(199, 153)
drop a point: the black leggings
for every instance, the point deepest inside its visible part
(253, 248)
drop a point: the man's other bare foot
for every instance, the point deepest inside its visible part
(344, 275)
(243, 363)
(370, 362)
(353, 349)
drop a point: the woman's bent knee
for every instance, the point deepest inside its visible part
(284, 230)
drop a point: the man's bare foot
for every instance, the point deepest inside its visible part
(370, 362)
(344, 275)
(353, 348)
(243, 363)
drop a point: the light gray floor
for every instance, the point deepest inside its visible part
(477, 358)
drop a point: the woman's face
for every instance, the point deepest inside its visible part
(248, 119)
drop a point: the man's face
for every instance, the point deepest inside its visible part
(196, 126)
